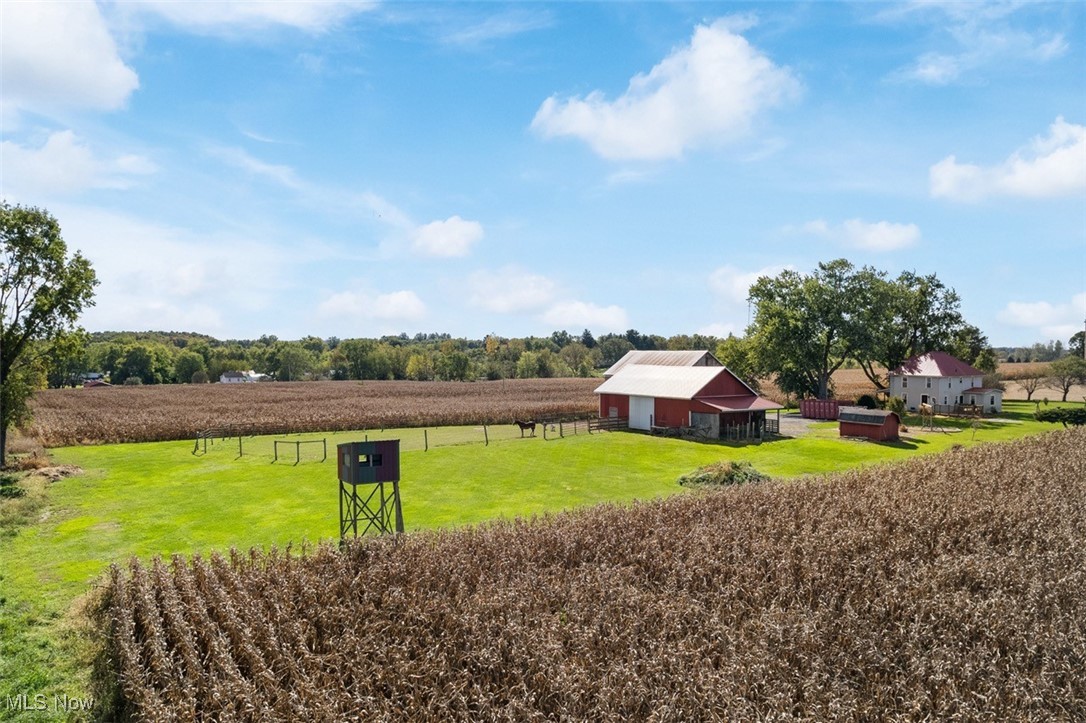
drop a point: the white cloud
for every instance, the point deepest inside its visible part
(154, 276)
(452, 237)
(720, 330)
(509, 290)
(703, 94)
(732, 284)
(64, 165)
(403, 305)
(1050, 321)
(977, 36)
(59, 55)
(1052, 165)
(857, 233)
(500, 26)
(226, 16)
(236, 157)
(583, 315)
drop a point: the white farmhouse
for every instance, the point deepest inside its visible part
(234, 377)
(946, 383)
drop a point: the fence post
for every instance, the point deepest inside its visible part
(486, 437)
(325, 440)
(425, 441)
(297, 453)
(240, 453)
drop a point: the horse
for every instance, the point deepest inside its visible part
(530, 426)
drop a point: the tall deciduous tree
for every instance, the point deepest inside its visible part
(42, 292)
(1065, 373)
(805, 327)
(1076, 345)
(909, 316)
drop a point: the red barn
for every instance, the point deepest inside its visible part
(708, 397)
(876, 424)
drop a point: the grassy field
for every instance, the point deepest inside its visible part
(158, 498)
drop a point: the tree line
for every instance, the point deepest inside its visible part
(180, 357)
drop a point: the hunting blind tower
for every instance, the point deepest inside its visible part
(365, 468)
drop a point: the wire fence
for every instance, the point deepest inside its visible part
(305, 448)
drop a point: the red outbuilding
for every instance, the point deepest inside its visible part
(710, 399)
(876, 424)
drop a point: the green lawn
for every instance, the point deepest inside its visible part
(159, 498)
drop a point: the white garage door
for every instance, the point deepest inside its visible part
(641, 409)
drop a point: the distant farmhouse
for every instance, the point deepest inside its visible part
(949, 385)
(237, 377)
(658, 390)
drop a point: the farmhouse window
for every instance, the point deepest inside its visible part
(904, 382)
(944, 400)
(991, 400)
(928, 379)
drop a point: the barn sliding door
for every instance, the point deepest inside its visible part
(641, 409)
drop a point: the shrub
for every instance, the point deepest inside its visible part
(132, 381)
(896, 405)
(723, 474)
(867, 401)
(1075, 415)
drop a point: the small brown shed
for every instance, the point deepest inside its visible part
(876, 424)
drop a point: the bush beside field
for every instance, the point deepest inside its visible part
(952, 586)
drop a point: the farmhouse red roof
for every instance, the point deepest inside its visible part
(936, 364)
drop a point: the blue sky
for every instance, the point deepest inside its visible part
(357, 169)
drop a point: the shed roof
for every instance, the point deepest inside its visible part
(666, 382)
(861, 415)
(744, 403)
(664, 359)
(936, 364)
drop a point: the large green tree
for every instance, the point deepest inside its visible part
(42, 292)
(906, 317)
(806, 326)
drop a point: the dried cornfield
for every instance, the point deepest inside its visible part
(952, 587)
(156, 413)
(848, 384)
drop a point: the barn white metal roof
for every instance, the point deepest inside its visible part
(664, 359)
(666, 382)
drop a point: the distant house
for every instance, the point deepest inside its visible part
(944, 382)
(877, 424)
(664, 359)
(709, 397)
(234, 377)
